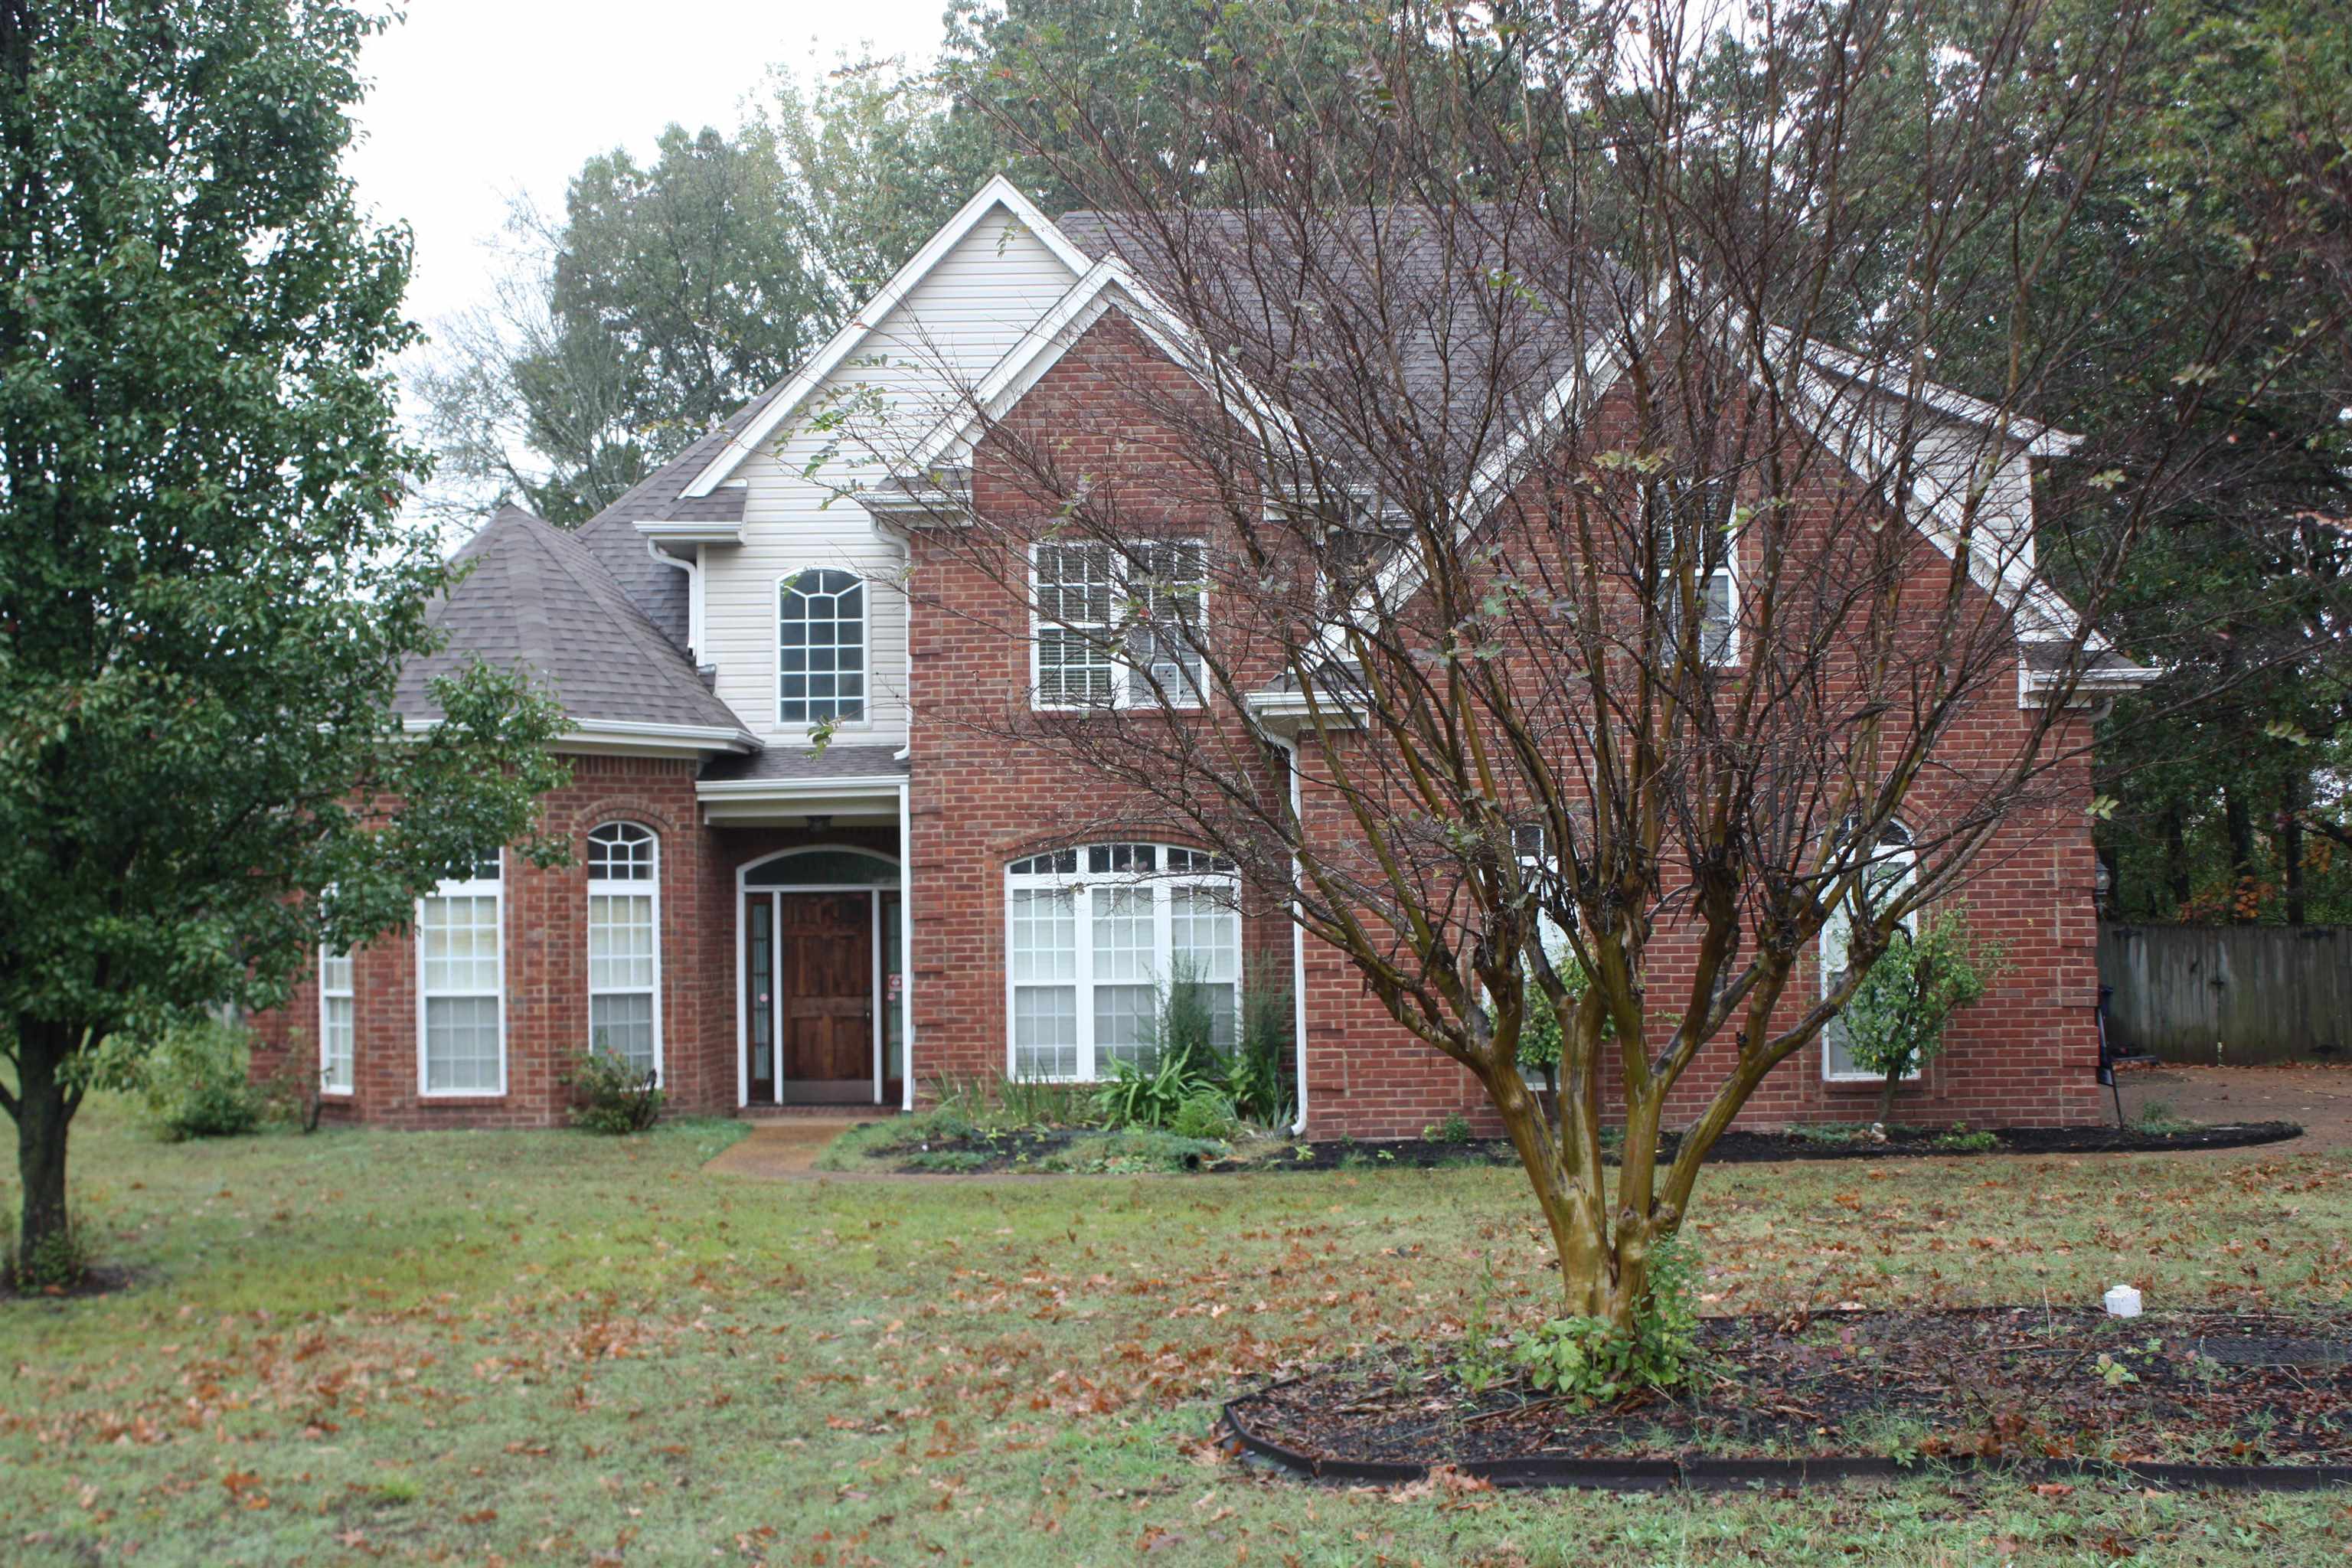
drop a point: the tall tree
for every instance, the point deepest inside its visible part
(205, 588)
(1665, 678)
(668, 294)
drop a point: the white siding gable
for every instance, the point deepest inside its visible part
(941, 339)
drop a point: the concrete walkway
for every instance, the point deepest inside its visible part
(787, 1146)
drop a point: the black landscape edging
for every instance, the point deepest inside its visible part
(1706, 1473)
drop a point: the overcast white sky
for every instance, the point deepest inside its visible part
(476, 99)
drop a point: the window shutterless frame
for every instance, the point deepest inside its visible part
(806, 695)
(1893, 868)
(438, 921)
(338, 1022)
(624, 870)
(1124, 685)
(1089, 887)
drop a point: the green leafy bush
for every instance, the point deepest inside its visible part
(1206, 1115)
(1590, 1359)
(1541, 1035)
(1183, 1063)
(1256, 1078)
(611, 1095)
(198, 1081)
(1894, 1022)
(57, 1262)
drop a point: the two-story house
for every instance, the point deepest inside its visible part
(798, 879)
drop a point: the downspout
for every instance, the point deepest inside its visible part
(693, 569)
(906, 946)
(1297, 943)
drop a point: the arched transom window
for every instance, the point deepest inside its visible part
(820, 647)
(1096, 940)
(624, 944)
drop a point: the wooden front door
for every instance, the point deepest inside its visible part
(825, 972)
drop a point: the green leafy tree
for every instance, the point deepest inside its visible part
(668, 295)
(1894, 1022)
(207, 590)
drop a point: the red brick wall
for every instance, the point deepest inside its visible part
(2024, 1056)
(545, 918)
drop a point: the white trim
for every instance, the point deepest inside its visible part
(905, 949)
(776, 584)
(743, 889)
(1125, 681)
(633, 735)
(1297, 935)
(878, 784)
(650, 889)
(1910, 922)
(470, 887)
(657, 532)
(2038, 439)
(1058, 331)
(1080, 886)
(347, 992)
(998, 192)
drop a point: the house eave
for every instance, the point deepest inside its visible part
(696, 531)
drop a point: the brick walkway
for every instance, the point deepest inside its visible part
(787, 1146)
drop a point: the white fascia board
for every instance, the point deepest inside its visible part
(2038, 439)
(633, 735)
(1107, 285)
(876, 784)
(669, 530)
(998, 192)
(2001, 567)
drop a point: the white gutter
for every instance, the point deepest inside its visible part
(736, 789)
(633, 734)
(1297, 945)
(693, 569)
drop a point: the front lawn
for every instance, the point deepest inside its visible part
(545, 1347)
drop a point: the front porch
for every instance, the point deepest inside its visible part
(819, 924)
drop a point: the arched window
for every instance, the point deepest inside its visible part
(820, 647)
(1095, 937)
(624, 944)
(1889, 872)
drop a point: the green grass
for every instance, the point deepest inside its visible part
(548, 1347)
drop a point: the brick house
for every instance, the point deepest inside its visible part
(768, 921)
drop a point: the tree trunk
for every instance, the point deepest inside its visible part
(2238, 818)
(2291, 846)
(1886, 1097)
(2175, 859)
(1590, 1278)
(44, 1107)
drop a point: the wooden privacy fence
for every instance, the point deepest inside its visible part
(2230, 994)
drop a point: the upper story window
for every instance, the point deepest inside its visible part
(1697, 517)
(624, 944)
(1119, 628)
(1889, 872)
(461, 986)
(1094, 939)
(820, 647)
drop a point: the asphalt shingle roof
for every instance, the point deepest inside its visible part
(793, 762)
(538, 599)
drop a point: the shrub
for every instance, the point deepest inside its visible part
(1257, 1076)
(1135, 1096)
(1590, 1359)
(1206, 1115)
(1539, 1030)
(1456, 1128)
(611, 1095)
(1894, 1022)
(57, 1262)
(1183, 1063)
(198, 1081)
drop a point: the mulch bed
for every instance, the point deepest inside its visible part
(1023, 1152)
(1901, 1142)
(2020, 1387)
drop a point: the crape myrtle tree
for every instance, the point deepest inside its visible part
(1555, 433)
(207, 589)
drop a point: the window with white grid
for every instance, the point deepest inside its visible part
(1119, 628)
(820, 647)
(335, 1021)
(1094, 939)
(461, 986)
(625, 945)
(1886, 875)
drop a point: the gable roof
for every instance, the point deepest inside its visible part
(537, 599)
